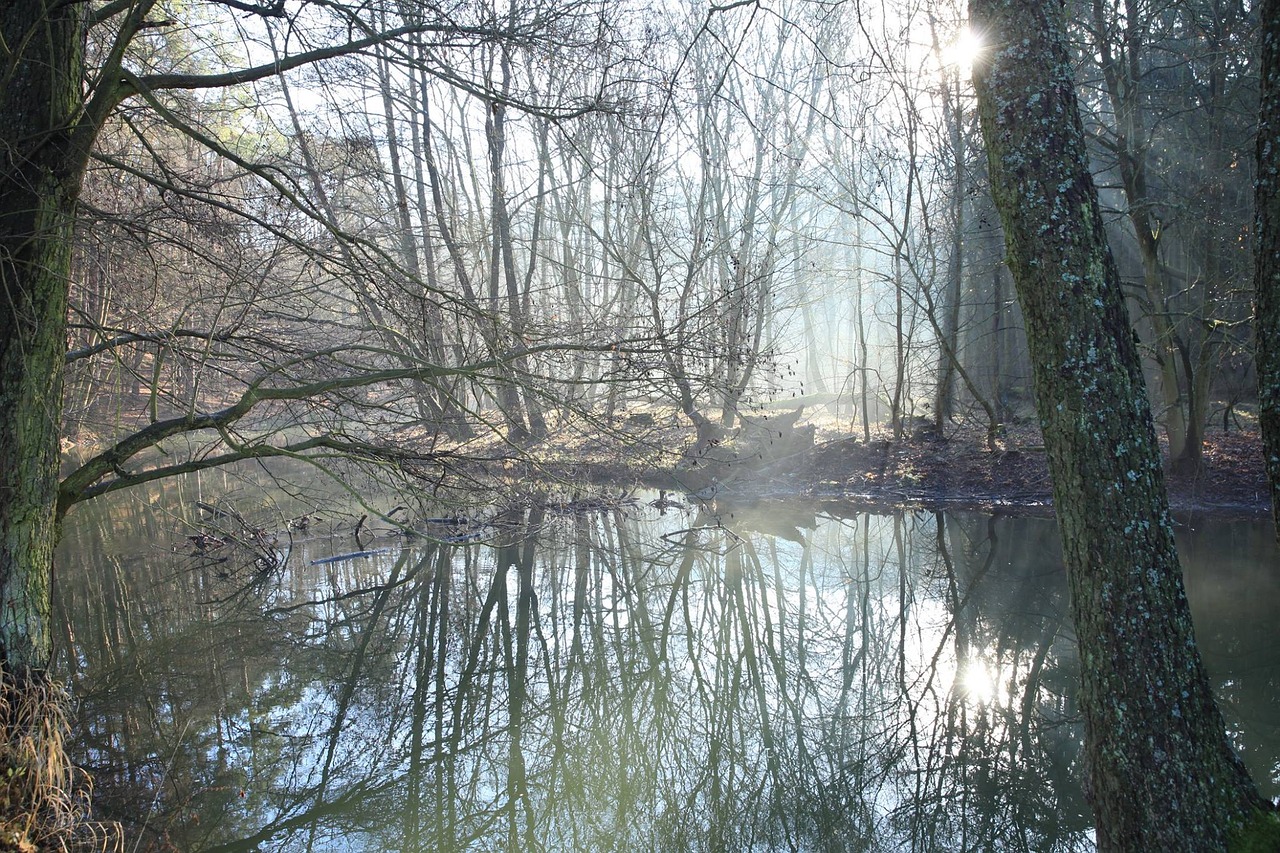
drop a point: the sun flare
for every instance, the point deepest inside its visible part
(962, 52)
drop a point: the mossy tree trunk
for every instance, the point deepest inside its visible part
(1267, 252)
(42, 155)
(1160, 772)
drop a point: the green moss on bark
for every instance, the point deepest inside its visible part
(1261, 834)
(1267, 251)
(41, 165)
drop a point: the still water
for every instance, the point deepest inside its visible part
(722, 677)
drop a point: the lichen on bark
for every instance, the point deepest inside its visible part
(1160, 772)
(1267, 251)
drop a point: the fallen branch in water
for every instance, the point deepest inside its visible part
(355, 555)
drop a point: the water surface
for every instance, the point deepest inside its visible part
(772, 676)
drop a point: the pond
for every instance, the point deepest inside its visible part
(610, 675)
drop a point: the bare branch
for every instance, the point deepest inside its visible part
(131, 84)
(126, 338)
(349, 448)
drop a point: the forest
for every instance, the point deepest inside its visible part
(478, 256)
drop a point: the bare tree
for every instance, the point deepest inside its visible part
(52, 122)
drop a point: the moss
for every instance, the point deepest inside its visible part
(1260, 835)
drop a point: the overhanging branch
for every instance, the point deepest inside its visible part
(294, 450)
(131, 85)
(86, 481)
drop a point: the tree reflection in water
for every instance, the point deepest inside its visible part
(764, 677)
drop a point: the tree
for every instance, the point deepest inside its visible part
(67, 69)
(1171, 128)
(1160, 772)
(1267, 252)
(46, 134)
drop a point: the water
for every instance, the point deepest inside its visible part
(778, 676)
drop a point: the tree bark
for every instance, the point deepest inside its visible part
(42, 159)
(1267, 252)
(944, 398)
(1160, 772)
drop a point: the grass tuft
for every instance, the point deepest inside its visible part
(44, 799)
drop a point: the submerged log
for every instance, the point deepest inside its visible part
(354, 555)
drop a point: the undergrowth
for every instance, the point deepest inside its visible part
(44, 799)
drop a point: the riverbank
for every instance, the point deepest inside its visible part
(961, 470)
(956, 470)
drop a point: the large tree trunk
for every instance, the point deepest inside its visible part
(40, 55)
(1267, 252)
(1161, 774)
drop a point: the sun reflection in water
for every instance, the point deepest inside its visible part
(976, 682)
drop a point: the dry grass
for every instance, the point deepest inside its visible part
(44, 799)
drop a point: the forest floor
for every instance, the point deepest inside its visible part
(955, 471)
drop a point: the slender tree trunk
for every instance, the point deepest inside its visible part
(429, 411)
(42, 164)
(813, 353)
(862, 354)
(899, 346)
(532, 403)
(944, 399)
(452, 394)
(1160, 772)
(1267, 252)
(998, 360)
(1204, 344)
(502, 269)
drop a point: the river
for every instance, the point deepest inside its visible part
(616, 675)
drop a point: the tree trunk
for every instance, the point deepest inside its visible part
(39, 183)
(861, 355)
(944, 399)
(998, 361)
(502, 272)
(1267, 253)
(1160, 772)
(899, 346)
